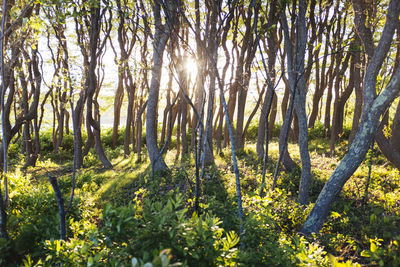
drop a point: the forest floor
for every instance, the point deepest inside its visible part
(126, 217)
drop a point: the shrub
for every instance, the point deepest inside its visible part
(158, 232)
(270, 226)
(317, 132)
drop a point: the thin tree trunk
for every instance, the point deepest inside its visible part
(128, 123)
(297, 85)
(166, 115)
(212, 50)
(118, 98)
(60, 203)
(3, 214)
(339, 72)
(139, 131)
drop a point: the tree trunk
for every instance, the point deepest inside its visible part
(212, 49)
(160, 39)
(77, 124)
(297, 85)
(249, 48)
(391, 147)
(352, 159)
(118, 98)
(127, 138)
(167, 108)
(184, 112)
(320, 82)
(3, 214)
(339, 72)
(139, 131)
(373, 109)
(269, 95)
(91, 87)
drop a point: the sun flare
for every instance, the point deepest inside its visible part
(191, 67)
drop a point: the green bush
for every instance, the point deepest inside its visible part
(158, 232)
(383, 255)
(197, 241)
(317, 132)
(106, 136)
(252, 131)
(270, 234)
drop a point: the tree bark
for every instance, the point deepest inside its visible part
(118, 98)
(161, 36)
(128, 124)
(249, 48)
(3, 214)
(373, 109)
(340, 70)
(297, 85)
(92, 84)
(390, 147)
(212, 49)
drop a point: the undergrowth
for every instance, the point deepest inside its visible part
(126, 217)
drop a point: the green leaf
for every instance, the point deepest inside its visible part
(335, 215)
(366, 254)
(58, 246)
(373, 247)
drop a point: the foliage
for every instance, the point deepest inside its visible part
(269, 227)
(125, 217)
(317, 132)
(158, 232)
(252, 131)
(386, 255)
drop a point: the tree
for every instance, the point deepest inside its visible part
(295, 57)
(9, 25)
(374, 106)
(161, 36)
(127, 33)
(93, 119)
(211, 49)
(3, 214)
(88, 25)
(270, 99)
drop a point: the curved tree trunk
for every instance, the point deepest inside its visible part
(391, 147)
(352, 159)
(373, 109)
(160, 40)
(91, 87)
